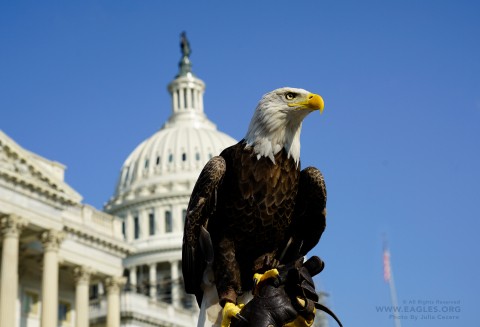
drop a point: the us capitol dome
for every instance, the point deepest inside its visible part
(153, 190)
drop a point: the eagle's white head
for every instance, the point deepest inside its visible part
(277, 121)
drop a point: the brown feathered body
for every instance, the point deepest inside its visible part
(251, 208)
(253, 216)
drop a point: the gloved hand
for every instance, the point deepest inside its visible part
(282, 299)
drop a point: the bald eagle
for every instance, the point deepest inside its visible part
(253, 206)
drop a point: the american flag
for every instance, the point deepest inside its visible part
(386, 265)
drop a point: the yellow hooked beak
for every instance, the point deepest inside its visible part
(313, 101)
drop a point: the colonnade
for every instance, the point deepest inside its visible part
(11, 227)
(173, 276)
(188, 97)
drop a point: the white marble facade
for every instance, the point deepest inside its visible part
(53, 247)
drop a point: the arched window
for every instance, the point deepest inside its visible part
(168, 221)
(136, 227)
(151, 223)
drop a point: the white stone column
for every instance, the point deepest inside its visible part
(174, 101)
(82, 283)
(133, 278)
(113, 286)
(182, 98)
(175, 283)
(153, 280)
(189, 97)
(144, 230)
(194, 98)
(160, 216)
(11, 227)
(51, 241)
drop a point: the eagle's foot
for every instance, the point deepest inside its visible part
(308, 312)
(300, 321)
(230, 310)
(258, 278)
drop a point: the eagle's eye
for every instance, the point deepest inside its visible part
(290, 96)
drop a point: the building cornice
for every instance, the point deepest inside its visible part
(89, 238)
(153, 200)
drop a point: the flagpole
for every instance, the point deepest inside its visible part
(393, 295)
(388, 275)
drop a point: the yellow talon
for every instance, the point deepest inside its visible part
(301, 301)
(230, 310)
(301, 321)
(260, 278)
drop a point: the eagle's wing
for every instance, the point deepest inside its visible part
(309, 219)
(196, 249)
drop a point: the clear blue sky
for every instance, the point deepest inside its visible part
(84, 82)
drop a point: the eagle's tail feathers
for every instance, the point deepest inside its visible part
(210, 309)
(206, 245)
